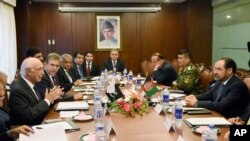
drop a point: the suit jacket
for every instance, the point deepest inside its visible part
(246, 115)
(120, 65)
(4, 125)
(24, 106)
(232, 102)
(46, 83)
(77, 75)
(95, 71)
(165, 75)
(63, 79)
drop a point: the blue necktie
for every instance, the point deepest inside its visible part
(219, 92)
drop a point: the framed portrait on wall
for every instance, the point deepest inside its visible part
(108, 32)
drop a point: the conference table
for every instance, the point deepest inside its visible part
(148, 127)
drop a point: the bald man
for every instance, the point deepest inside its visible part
(26, 103)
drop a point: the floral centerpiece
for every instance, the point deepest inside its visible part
(131, 105)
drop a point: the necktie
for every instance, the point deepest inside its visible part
(37, 94)
(88, 69)
(69, 77)
(219, 92)
(55, 83)
(80, 71)
(114, 64)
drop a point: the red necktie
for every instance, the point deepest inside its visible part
(88, 70)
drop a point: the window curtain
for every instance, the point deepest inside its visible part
(8, 46)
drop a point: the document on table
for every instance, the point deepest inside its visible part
(74, 105)
(207, 121)
(46, 132)
(66, 114)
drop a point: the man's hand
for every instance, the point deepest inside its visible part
(191, 100)
(26, 130)
(54, 94)
(78, 96)
(78, 82)
(236, 120)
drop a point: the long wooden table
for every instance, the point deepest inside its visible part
(140, 128)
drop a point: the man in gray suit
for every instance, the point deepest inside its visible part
(26, 103)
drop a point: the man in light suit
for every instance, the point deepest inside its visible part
(90, 68)
(114, 63)
(229, 96)
(27, 106)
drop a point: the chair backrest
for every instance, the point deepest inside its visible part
(206, 77)
(246, 80)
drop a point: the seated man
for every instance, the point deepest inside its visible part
(90, 68)
(27, 106)
(188, 78)
(163, 73)
(5, 133)
(50, 77)
(66, 74)
(34, 52)
(114, 62)
(229, 96)
(77, 65)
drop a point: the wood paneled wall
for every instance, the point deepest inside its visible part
(176, 26)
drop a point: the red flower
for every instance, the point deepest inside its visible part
(137, 105)
(127, 107)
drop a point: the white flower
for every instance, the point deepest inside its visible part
(127, 98)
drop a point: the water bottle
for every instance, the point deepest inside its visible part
(178, 113)
(165, 98)
(125, 72)
(138, 82)
(105, 75)
(114, 71)
(211, 134)
(100, 134)
(102, 79)
(130, 77)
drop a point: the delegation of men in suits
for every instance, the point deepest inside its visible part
(114, 62)
(51, 76)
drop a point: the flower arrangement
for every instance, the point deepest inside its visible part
(131, 105)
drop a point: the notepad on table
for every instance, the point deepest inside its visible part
(207, 121)
(74, 105)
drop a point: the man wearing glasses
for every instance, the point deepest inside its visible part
(27, 104)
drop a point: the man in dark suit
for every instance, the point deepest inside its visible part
(163, 73)
(50, 78)
(114, 63)
(27, 106)
(229, 96)
(90, 68)
(66, 74)
(77, 65)
(5, 133)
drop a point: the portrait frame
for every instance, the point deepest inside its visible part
(108, 32)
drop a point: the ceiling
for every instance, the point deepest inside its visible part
(115, 1)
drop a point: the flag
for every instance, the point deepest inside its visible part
(149, 87)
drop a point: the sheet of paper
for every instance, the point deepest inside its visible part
(209, 120)
(66, 114)
(175, 95)
(46, 132)
(74, 105)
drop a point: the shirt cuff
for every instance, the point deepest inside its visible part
(47, 101)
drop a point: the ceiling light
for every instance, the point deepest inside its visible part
(151, 9)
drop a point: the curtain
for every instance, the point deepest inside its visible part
(8, 47)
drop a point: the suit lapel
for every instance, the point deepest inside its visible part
(27, 87)
(226, 87)
(47, 78)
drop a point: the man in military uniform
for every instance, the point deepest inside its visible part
(188, 78)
